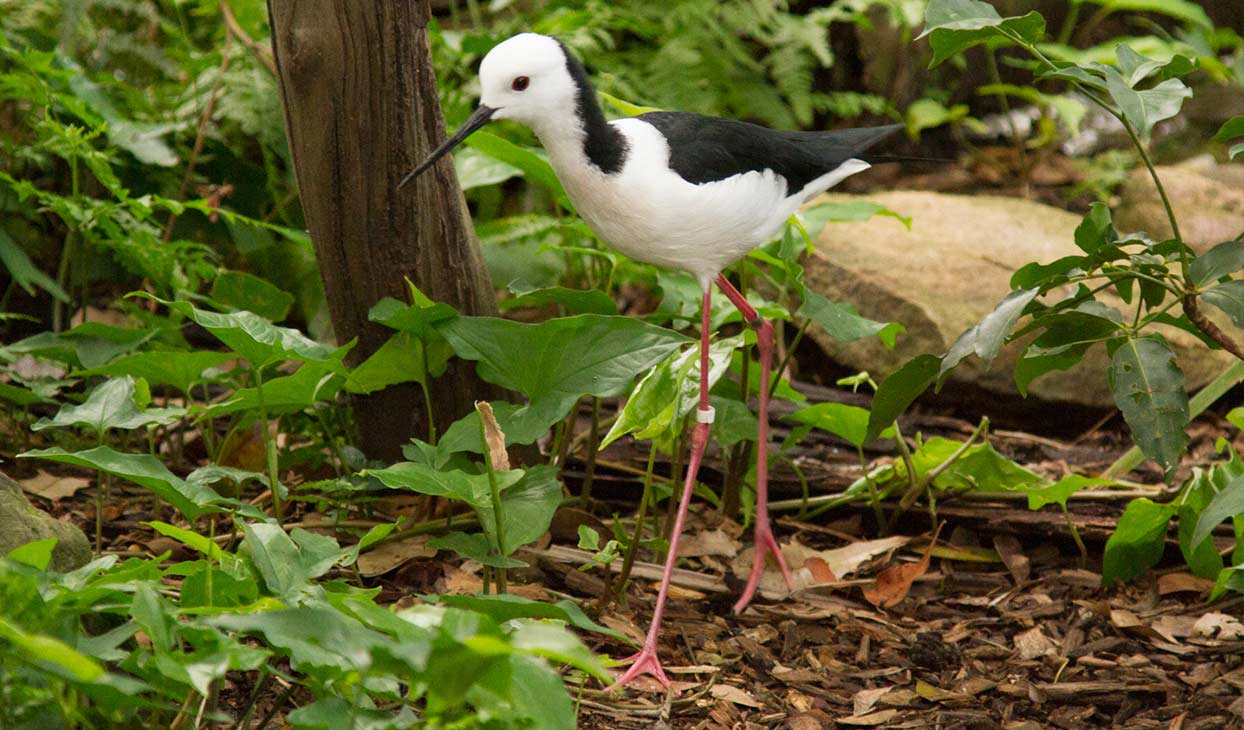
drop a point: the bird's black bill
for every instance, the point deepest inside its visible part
(478, 118)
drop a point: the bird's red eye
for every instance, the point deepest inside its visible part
(520, 83)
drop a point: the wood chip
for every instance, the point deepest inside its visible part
(737, 695)
(1012, 554)
(866, 699)
(1034, 643)
(873, 719)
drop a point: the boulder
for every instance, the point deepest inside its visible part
(21, 523)
(948, 271)
(1208, 200)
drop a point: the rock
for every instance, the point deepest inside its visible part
(948, 271)
(1208, 200)
(21, 523)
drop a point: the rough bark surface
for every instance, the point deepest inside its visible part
(361, 109)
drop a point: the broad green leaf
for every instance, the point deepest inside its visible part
(575, 301)
(474, 546)
(668, 392)
(815, 217)
(276, 556)
(925, 114)
(898, 391)
(1227, 503)
(1096, 230)
(1232, 129)
(523, 689)
(556, 362)
(177, 368)
(1229, 297)
(335, 713)
(318, 640)
(417, 319)
(986, 337)
(312, 383)
(1146, 108)
(191, 499)
(1060, 491)
(199, 543)
(1184, 10)
(844, 323)
(24, 272)
(21, 396)
(255, 338)
(36, 554)
(979, 467)
(534, 167)
(88, 345)
(552, 641)
(506, 607)
(845, 421)
(239, 290)
(400, 359)
(476, 169)
(1221, 260)
(956, 25)
(1037, 361)
(626, 107)
(1138, 541)
(50, 654)
(1148, 387)
(110, 405)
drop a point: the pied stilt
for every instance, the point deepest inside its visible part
(675, 189)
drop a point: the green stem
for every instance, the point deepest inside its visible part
(1075, 535)
(269, 444)
(1005, 103)
(789, 354)
(874, 497)
(637, 535)
(495, 495)
(1196, 406)
(427, 396)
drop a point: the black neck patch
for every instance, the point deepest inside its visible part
(604, 145)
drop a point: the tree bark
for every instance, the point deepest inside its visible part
(361, 109)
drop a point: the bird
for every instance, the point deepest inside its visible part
(677, 189)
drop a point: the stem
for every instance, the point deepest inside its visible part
(1005, 103)
(593, 444)
(1075, 535)
(495, 495)
(104, 478)
(427, 396)
(786, 358)
(269, 444)
(874, 497)
(629, 558)
(1196, 406)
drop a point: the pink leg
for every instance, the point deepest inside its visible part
(647, 661)
(764, 540)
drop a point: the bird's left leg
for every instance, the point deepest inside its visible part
(764, 540)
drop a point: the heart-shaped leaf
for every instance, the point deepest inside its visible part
(110, 405)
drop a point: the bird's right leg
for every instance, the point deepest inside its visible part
(647, 661)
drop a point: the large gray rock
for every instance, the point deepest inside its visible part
(948, 271)
(21, 523)
(1208, 200)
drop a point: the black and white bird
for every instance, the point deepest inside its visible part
(676, 189)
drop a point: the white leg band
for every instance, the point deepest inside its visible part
(706, 416)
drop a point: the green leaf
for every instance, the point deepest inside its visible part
(1146, 108)
(476, 169)
(1232, 129)
(844, 421)
(276, 556)
(1148, 387)
(400, 359)
(898, 391)
(1227, 503)
(925, 114)
(986, 337)
(815, 217)
(239, 290)
(110, 405)
(1184, 10)
(1096, 230)
(1221, 260)
(668, 392)
(255, 338)
(1138, 541)
(844, 323)
(24, 272)
(575, 301)
(50, 654)
(417, 319)
(312, 383)
(558, 361)
(1060, 491)
(979, 467)
(534, 167)
(177, 368)
(1229, 297)
(626, 107)
(191, 499)
(36, 554)
(474, 546)
(554, 642)
(956, 25)
(507, 607)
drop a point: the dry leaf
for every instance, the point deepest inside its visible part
(872, 719)
(390, 555)
(738, 696)
(1173, 628)
(1215, 625)
(1034, 643)
(493, 436)
(894, 583)
(679, 593)
(1012, 554)
(55, 488)
(708, 542)
(1183, 583)
(244, 449)
(846, 560)
(866, 699)
(820, 570)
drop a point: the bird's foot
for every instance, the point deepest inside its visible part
(766, 544)
(645, 662)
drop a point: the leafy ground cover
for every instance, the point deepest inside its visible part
(170, 384)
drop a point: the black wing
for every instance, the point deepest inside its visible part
(706, 149)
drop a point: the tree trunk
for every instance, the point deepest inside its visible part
(361, 110)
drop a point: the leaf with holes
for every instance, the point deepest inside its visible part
(1148, 387)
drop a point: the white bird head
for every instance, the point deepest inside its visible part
(526, 78)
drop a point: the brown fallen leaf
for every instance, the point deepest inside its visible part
(391, 555)
(872, 719)
(244, 448)
(494, 437)
(1215, 625)
(866, 699)
(708, 542)
(1183, 583)
(53, 487)
(820, 570)
(737, 695)
(894, 583)
(1034, 643)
